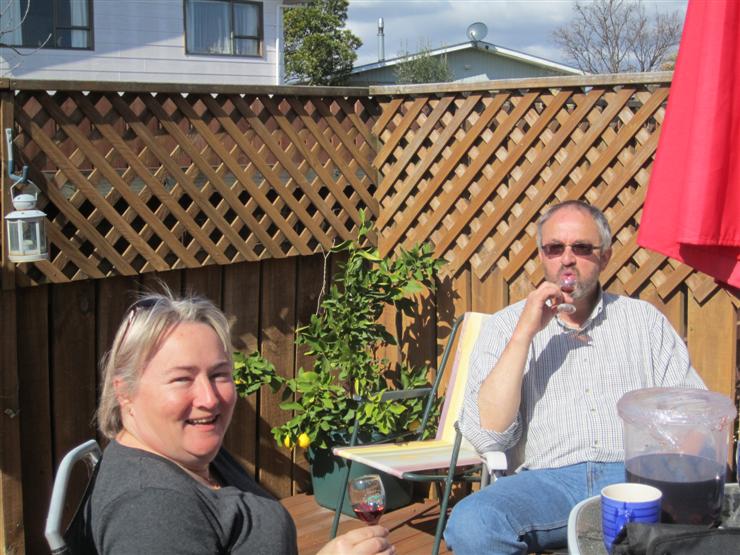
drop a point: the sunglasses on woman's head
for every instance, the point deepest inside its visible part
(552, 250)
(139, 306)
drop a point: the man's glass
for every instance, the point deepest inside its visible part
(552, 250)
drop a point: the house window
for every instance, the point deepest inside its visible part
(47, 23)
(232, 27)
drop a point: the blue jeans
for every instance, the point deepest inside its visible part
(527, 511)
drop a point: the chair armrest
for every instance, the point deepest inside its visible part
(494, 460)
(494, 464)
(53, 531)
(577, 513)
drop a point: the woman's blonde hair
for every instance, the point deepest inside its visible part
(145, 325)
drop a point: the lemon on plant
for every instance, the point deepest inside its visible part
(303, 440)
(288, 442)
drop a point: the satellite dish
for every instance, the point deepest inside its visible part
(477, 31)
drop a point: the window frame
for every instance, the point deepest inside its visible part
(260, 38)
(51, 43)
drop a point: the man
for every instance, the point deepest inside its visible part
(544, 385)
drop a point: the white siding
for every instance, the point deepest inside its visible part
(476, 65)
(144, 41)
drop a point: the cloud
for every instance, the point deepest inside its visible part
(524, 25)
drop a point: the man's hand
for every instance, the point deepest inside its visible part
(539, 309)
(369, 540)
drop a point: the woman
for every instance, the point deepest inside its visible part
(164, 484)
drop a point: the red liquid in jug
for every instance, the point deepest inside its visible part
(692, 486)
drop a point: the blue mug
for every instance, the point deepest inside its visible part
(627, 502)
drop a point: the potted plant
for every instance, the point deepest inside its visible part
(345, 338)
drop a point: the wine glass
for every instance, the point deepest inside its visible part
(567, 285)
(367, 495)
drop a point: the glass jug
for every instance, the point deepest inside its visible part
(677, 440)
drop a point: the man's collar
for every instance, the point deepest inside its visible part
(595, 312)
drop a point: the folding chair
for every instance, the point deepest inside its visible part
(448, 451)
(74, 540)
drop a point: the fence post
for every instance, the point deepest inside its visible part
(7, 101)
(11, 490)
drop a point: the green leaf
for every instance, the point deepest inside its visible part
(371, 256)
(291, 405)
(412, 288)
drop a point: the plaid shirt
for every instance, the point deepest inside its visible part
(573, 380)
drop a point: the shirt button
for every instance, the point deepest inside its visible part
(588, 390)
(593, 410)
(596, 442)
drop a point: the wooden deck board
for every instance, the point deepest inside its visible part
(412, 528)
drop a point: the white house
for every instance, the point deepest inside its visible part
(471, 61)
(165, 41)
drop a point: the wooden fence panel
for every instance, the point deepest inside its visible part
(311, 280)
(36, 421)
(74, 393)
(241, 304)
(712, 347)
(152, 181)
(277, 345)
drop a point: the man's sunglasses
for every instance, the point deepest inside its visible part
(552, 250)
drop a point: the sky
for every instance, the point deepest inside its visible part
(524, 25)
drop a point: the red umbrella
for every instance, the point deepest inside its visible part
(692, 208)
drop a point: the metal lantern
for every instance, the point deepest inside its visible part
(26, 230)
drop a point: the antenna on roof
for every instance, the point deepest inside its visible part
(381, 40)
(477, 31)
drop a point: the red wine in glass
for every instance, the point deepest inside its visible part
(367, 496)
(368, 512)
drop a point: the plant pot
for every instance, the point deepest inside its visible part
(327, 478)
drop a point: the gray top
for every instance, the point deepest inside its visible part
(573, 380)
(142, 503)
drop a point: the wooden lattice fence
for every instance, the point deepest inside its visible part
(143, 181)
(208, 188)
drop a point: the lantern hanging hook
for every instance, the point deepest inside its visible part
(21, 179)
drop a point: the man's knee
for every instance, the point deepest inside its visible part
(471, 519)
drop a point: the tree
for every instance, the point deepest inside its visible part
(669, 62)
(318, 51)
(422, 67)
(613, 36)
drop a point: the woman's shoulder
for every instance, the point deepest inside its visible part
(127, 468)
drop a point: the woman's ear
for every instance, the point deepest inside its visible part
(122, 394)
